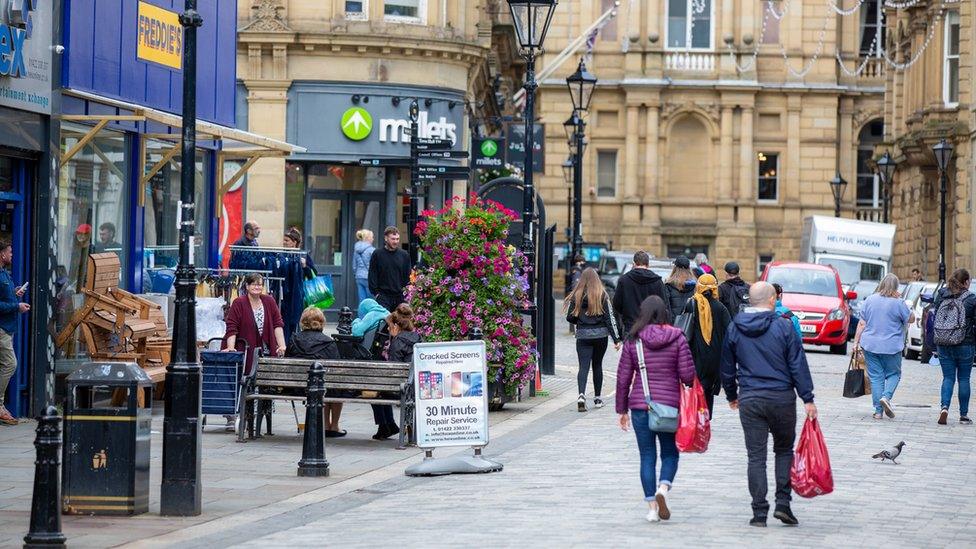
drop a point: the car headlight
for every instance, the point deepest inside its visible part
(836, 314)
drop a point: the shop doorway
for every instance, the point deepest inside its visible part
(331, 221)
(15, 177)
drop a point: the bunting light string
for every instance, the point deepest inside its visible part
(816, 54)
(833, 5)
(779, 16)
(762, 34)
(918, 54)
(867, 59)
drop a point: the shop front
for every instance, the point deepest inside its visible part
(330, 195)
(119, 161)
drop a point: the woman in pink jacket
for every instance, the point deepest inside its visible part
(668, 362)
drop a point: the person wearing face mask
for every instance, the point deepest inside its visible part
(389, 271)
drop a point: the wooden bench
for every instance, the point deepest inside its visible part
(346, 381)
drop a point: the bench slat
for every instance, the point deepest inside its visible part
(306, 363)
(362, 380)
(364, 386)
(300, 384)
(391, 372)
(284, 376)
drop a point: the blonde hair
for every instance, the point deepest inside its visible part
(363, 234)
(312, 319)
(591, 287)
(889, 286)
(680, 276)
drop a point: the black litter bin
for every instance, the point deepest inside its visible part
(106, 440)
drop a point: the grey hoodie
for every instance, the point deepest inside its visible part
(362, 253)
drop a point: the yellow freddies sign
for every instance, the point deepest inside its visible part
(160, 37)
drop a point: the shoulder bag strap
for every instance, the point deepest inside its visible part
(643, 369)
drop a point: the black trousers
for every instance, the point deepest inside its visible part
(760, 418)
(590, 352)
(383, 414)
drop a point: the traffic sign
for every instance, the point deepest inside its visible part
(384, 161)
(443, 154)
(429, 144)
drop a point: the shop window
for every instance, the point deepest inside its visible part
(689, 24)
(763, 261)
(409, 11)
(6, 174)
(609, 31)
(92, 213)
(294, 195)
(340, 177)
(768, 176)
(162, 197)
(606, 173)
(872, 28)
(950, 68)
(357, 10)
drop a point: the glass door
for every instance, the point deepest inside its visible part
(14, 177)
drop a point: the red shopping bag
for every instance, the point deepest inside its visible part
(810, 475)
(694, 430)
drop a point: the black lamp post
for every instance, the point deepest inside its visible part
(581, 84)
(837, 186)
(531, 19)
(886, 170)
(568, 179)
(943, 155)
(180, 490)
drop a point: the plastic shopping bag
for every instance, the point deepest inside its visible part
(810, 475)
(318, 292)
(694, 428)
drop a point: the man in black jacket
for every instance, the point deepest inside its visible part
(763, 370)
(634, 287)
(734, 292)
(389, 271)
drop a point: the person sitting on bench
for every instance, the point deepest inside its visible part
(403, 338)
(310, 342)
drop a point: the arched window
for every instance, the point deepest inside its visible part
(868, 184)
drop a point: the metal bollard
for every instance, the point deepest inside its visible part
(313, 463)
(45, 519)
(475, 334)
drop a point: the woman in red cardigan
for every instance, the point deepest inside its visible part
(256, 319)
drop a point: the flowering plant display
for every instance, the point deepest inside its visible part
(472, 279)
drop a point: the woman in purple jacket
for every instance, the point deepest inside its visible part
(668, 362)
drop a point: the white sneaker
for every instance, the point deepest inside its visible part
(886, 406)
(652, 516)
(661, 497)
(581, 403)
(598, 402)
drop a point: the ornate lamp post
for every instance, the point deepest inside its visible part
(943, 155)
(837, 186)
(568, 179)
(886, 170)
(531, 19)
(581, 84)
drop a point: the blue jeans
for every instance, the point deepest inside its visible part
(646, 444)
(362, 284)
(885, 373)
(956, 362)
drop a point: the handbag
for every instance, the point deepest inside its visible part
(683, 322)
(856, 382)
(660, 417)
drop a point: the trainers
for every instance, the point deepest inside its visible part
(758, 521)
(598, 402)
(965, 420)
(6, 418)
(661, 497)
(943, 416)
(785, 515)
(877, 416)
(887, 407)
(652, 516)
(581, 403)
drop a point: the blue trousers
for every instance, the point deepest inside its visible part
(957, 363)
(885, 373)
(647, 445)
(362, 285)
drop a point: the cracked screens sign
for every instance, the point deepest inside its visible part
(451, 393)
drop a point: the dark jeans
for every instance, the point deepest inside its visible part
(760, 418)
(646, 445)
(383, 414)
(591, 351)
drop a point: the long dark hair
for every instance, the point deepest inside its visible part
(652, 311)
(958, 281)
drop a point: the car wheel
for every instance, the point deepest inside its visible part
(839, 349)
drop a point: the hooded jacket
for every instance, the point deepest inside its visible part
(401, 347)
(371, 314)
(668, 362)
(312, 344)
(362, 252)
(677, 299)
(763, 358)
(594, 326)
(726, 290)
(633, 288)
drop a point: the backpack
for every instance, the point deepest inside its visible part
(950, 320)
(739, 298)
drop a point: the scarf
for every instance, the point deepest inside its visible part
(706, 284)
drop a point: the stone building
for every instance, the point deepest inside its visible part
(338, 77)
(931, 100)
(701, 139)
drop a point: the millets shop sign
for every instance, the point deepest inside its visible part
(357, 124)
(25, 54)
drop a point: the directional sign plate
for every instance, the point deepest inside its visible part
(427, 144)
(384, 161)
(444, 170)
(448, 176)
(443, 154)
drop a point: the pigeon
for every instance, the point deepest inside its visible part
(890, 454)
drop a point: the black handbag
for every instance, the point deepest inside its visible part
(684, 322)
(855, 382)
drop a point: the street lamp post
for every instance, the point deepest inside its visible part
(531, 19)
(181, 489)
(943, 155)
(886, 170)
(568, 179)
(837, 186)
(581, 84)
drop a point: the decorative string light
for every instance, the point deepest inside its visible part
(779, 16)
(844, 12)
(918, 55)
(816, 54)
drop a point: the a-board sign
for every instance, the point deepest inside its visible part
(451, 392)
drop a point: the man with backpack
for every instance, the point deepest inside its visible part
(634, 287)
(955, 312)
(734, 292)
(785, 311)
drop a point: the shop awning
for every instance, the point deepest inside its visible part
(233, 143)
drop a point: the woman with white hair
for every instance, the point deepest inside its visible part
(881, 335)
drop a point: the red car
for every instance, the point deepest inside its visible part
(815, 295)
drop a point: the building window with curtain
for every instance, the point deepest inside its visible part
(768, 176)
(357, 10)
(872, 28)
(950, 67)
(93, 213)
(606, 174)
(405, 11)
(689, 24)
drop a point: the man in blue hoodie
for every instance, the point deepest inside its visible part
(763, 370)
(10, 308)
